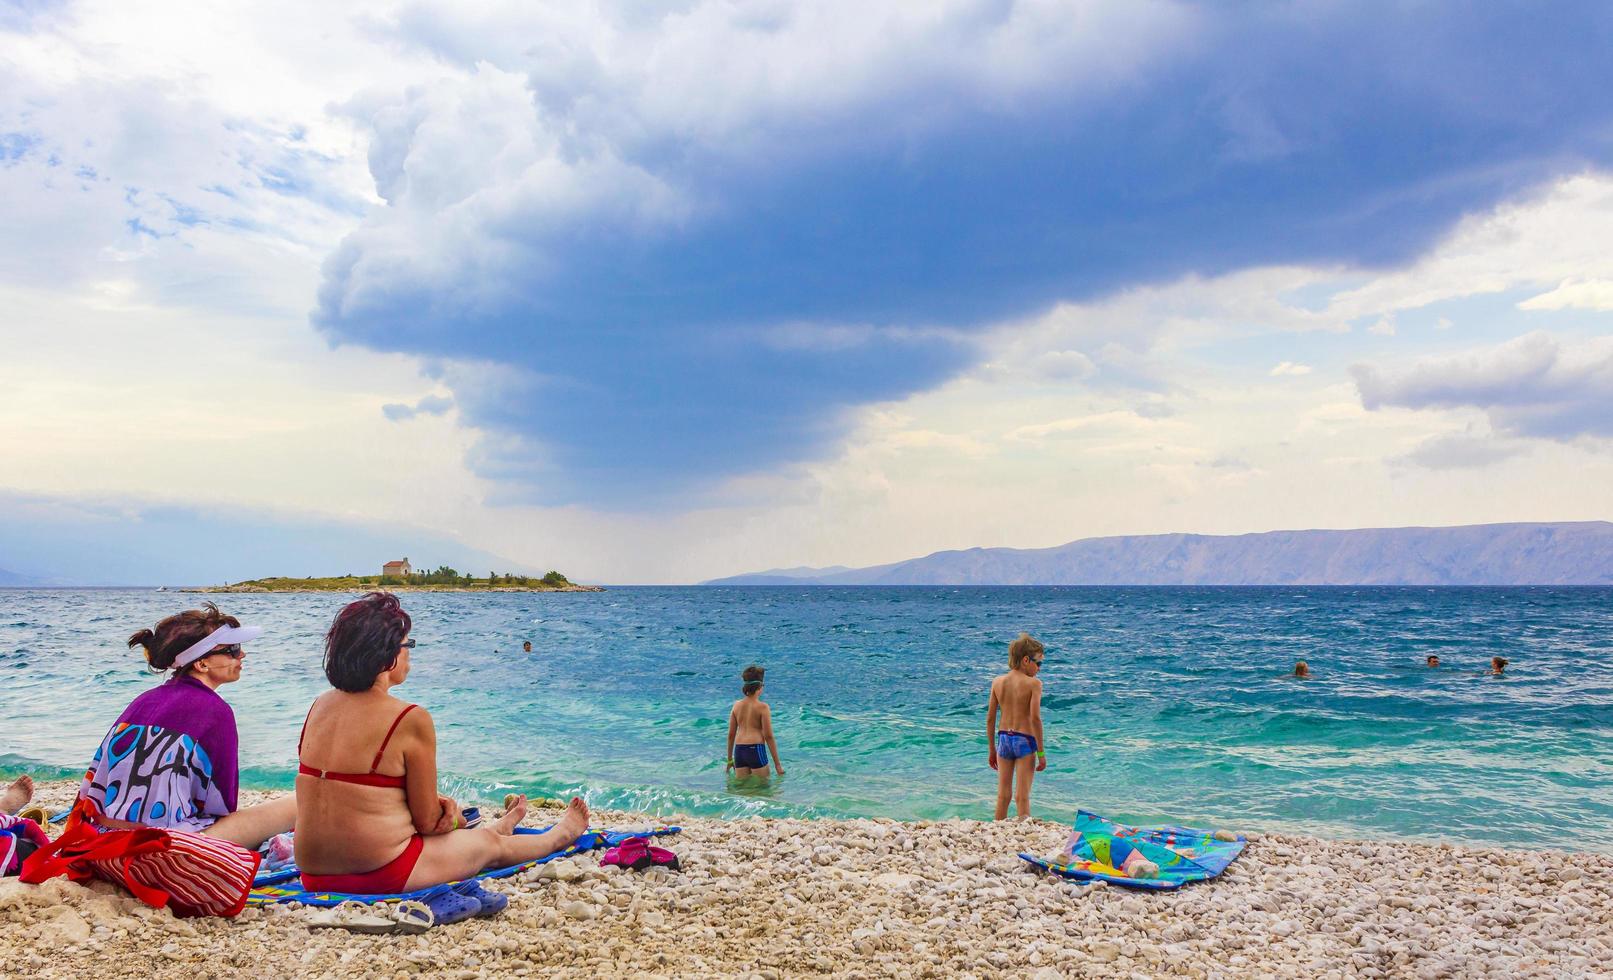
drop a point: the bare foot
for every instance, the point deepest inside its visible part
(574, 823)
(17, 794)
(514, 813)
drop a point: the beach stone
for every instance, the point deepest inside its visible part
(567, 870)
(65, 927)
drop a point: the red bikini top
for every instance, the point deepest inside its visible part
(371, 778)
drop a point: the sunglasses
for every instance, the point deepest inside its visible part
(407, 644)
(233, 651)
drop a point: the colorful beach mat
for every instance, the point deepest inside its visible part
(1098, 847)
(285, 884)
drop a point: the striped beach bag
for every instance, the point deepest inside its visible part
(191, 874)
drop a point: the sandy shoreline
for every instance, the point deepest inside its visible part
(778, 898)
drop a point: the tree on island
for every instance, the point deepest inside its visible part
(442, 575)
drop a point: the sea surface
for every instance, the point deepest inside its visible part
(1160, 703)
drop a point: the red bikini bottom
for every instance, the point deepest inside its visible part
(388, 879)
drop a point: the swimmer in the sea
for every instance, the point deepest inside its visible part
(750, 729)
(1302, 669)
(1498, 666)
(1017, 749)
(1433, 660)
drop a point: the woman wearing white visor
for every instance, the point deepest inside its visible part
(170, 760)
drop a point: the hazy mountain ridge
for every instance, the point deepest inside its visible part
(1567, 553)
(14, 579)
(786, 576)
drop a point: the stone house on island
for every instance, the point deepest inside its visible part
(397, 569)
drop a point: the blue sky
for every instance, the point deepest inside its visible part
(662, 296)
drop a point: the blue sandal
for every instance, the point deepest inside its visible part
(492, 902)
(449, 906)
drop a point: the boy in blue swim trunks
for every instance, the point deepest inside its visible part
(1016, 747)
(750, 730)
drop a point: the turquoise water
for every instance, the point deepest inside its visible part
(1160, 702)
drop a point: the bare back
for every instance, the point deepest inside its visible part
(344, 827)
(751, 718)
(1016, 697)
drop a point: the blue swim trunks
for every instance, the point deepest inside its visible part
(1014, 745)
(750, 756)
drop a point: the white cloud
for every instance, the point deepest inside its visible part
(429, 405)
(1384, 327)
(736, 72)
(162, 403)
(1065, 365)
(1109, 425)
(1462, 450)
(165, 138)
(1574, 294)
(1558, 233)
(1289, 369)
(1534, 385)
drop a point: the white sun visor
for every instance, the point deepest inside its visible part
(222, 636)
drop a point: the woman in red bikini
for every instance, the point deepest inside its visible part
(369, 817)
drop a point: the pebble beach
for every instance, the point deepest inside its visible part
(777, 898)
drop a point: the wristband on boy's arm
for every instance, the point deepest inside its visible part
(1040, 754)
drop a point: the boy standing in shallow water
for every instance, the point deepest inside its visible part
(1016, 748)
(750, 725)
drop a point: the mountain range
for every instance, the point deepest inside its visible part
(1568, 553)
(15, 580)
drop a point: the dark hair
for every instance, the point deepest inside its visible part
(364, 640)
(172, 636)
(752, 676)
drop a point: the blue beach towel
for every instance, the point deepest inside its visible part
(1098, 847)
(285, 884)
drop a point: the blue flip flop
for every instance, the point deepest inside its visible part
(492, 902)
(449, 906)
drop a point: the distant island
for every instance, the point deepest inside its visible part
(400, 577)
(1570, 553)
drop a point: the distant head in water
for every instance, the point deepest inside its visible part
(1302, 669)
(1433, 660)
(527, 646)
(1498, 665)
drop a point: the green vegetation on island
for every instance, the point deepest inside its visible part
(441, 579)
